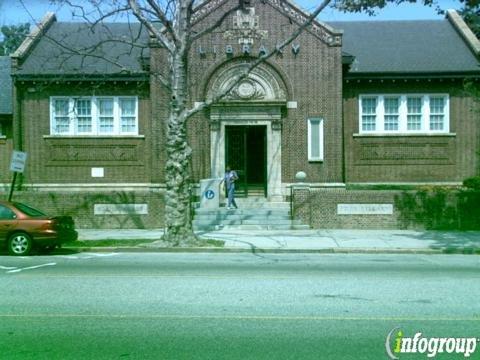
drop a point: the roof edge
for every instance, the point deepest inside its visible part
(412, 75)
(306, 14)
(463, 29)
(82, 77)
(34, 36)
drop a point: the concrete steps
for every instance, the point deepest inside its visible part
(252, 214)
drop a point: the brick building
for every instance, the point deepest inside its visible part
(347, 102)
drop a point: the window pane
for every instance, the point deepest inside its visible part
(127, 106)
(414, 113)
(128, 119)
(83, 110)
(437, 116)
(369, 108)
(105, 110)
(6, 213)
(391, 105)
(62, 120)
(315, 139)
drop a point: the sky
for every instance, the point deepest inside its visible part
(21, 11)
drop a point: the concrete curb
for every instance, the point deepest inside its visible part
(130, 249)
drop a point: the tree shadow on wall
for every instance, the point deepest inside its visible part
(81, 208)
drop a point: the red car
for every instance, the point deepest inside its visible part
(23, 228)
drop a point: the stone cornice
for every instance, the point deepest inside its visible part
(33, 38)
(463, 29)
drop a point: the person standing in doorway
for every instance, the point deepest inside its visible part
(229, 179)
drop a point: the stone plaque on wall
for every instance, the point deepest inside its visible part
(364, 209)
(120, 209)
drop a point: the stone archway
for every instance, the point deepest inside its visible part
(256, 101)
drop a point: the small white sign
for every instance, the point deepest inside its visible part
(292, 104)
(98, 172)
(364, 209)
(120, 209)
(18, 161)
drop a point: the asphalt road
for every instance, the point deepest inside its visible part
(232, 306)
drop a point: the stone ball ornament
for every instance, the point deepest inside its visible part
(300, 176)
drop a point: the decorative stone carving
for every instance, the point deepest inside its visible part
(245, 27)
(404, 153)
(260, 84)
(66, 154)
(247, 90)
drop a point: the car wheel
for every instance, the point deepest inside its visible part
(19, 244)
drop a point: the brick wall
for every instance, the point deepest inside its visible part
(70, 159)
(80, 205)
(6, 147)
(318, 208)
(312, 78)
(449, 158)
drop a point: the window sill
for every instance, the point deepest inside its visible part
(404, 135)
(94, 136)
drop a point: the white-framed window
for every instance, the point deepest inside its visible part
(412, 113)
(94, 115)
(315, 139)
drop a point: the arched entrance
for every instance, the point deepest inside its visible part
(245, 129)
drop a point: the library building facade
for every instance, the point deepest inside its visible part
(335, 123)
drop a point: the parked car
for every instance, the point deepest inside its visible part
(22, 228)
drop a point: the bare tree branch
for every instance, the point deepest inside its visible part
(218, 23)
(159, 35)
(163, 18)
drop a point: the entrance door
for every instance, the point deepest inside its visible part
(246, 153)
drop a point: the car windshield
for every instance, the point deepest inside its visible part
(28, 210)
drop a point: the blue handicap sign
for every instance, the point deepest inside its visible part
(209, 194)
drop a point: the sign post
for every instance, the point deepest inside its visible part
(17, 165)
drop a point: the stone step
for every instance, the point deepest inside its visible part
(219, 217)
(254, 213)
(249, 203)
(248, 212)
(260, 221)
(252, 227)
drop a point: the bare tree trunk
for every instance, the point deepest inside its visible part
(178, 220)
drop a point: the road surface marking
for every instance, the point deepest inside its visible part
(31, 267)
(7, 267)
(88, 256)
(239, 317)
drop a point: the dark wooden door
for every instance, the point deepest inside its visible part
(245, 152)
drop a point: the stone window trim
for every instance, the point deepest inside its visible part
(375, 114)
(65, 123)
(315, 139)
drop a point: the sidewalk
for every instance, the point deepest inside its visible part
(397, 241)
